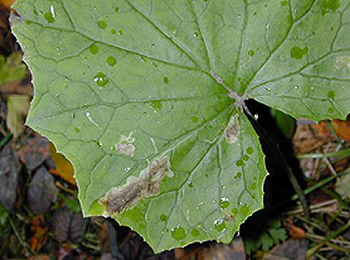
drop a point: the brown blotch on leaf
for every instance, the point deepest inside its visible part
(229, 217)
(135, 189)
(232, 130)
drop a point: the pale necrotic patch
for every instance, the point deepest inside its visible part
(232, 130)
(125, 145)
(146, 185)
(342, 62)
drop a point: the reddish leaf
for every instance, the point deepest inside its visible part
(68, 226)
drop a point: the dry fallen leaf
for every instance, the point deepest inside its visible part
(7, 3)
(39, 229)
(342, 129)
(308, 137)
(290, 249)
(342, 186)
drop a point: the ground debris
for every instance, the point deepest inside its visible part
(68, 226)
(34, 152)
(9, 171)
(42, 191)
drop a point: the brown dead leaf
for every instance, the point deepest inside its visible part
(342, 129)
(296, 232)
(104, 238)
(7, 3)
(308, 137)
(291, 249)
(17, 87)
(39, 229)
(40, 257)
(64, 168)
(233, 251)
(17, 108)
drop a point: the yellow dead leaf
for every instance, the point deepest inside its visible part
(64, 168)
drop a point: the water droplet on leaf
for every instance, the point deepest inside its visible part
(298, 53)
(250, 150)
(331, 94)
(239, 163)
(195, 232)
(49, 17)
(224, 203)
(102, 24)
(194, 119)
(111, 61)
(245, 209)
(94, 49)
(251, 53)
(163, 217)
(101, 79)
(219, 225)
(178, 233)
(245, 158)
(156, 105)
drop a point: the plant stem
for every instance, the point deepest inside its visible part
(342, 153)
(5, 140)
(23, 243)
(273, 146)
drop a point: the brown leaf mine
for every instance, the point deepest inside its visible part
(135, 189)
(232, 130)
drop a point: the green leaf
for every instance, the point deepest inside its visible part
(270, 235)
(145, 97)
(285, 122)
(11, 68)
